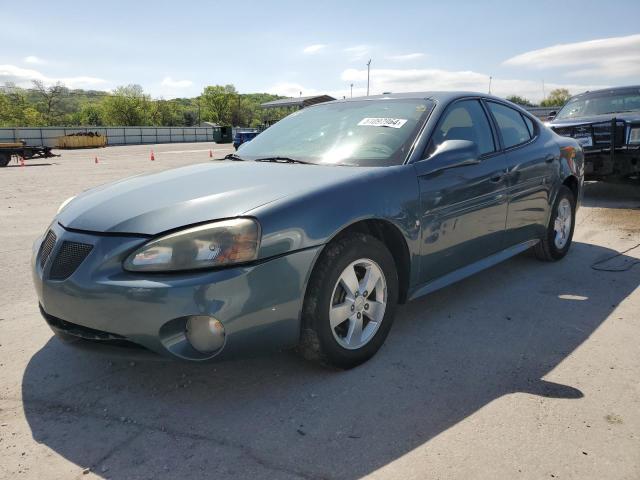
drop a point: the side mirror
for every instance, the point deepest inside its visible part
(455, 150)
(450, 154)
(551, 115)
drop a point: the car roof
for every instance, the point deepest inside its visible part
(440, 96)
(629, 88)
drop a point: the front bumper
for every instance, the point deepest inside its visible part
(623, 161)
(259, 305)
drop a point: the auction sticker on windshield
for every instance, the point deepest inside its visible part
(382, 122)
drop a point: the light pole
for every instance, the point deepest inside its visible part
(368, 70)
(490, 78)
(352, 90)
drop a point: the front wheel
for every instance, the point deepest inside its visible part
(350, 302)
(5, 158)
(557, 240)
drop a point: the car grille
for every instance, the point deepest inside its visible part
(68, 259)
(87, 333)
(564, 131)
(47, 247)
(602, 134)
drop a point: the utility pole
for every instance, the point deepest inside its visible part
(352, 90)
(490, 78)
(368, 70)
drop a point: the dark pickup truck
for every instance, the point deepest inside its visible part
(607, 125)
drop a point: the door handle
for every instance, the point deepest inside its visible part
(497, 178)
(549, 158)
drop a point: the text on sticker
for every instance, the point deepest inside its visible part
(383, 122)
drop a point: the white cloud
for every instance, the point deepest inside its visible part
(289, 89)
(170, 82)
(23, 77)
(32, 59)
(414, 80)
(79, 82)
(311, 49)
(357, 52)
(606, 57)
(405, 57)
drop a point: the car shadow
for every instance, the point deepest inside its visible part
(449, 354)
(617, 195)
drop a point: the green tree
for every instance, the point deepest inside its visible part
(217, 102)
(127, 106)
(518, 100)
(16, 110)
(50, 100)
(91, 114)
(189, 118)
(556, 98)
(165, 113)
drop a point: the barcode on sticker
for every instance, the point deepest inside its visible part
(383, 122)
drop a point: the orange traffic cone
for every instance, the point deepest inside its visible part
(96, 159)
(153, 157)
(210, 153)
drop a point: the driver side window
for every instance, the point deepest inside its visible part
(465, 120)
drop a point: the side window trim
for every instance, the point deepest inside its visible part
(497, 140)
(495, 122)
(534, 133)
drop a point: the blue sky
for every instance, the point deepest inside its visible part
(174, 49)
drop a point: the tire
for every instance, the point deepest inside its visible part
(357, 253)
(5, 158)
(551, 249)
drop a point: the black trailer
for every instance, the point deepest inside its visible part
(20, 150)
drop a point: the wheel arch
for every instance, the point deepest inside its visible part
(571, 182)
(391, 236)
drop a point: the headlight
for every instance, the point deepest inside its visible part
(634, 135)
(216, 244)
(64, 204)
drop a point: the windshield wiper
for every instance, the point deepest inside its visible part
(282, 160)
(233, 156)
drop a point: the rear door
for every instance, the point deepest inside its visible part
(531, 164)
(463, 209)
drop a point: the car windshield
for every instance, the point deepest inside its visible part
(600, 104)
(361, 132)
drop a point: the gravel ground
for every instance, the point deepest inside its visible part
(527, 370)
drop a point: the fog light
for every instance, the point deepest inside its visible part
(205, 334)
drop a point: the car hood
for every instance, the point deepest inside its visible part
(154, 203)
(568, 122)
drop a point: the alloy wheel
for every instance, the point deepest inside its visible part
(358, 304)
(562, 223)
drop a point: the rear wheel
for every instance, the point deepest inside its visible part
(557, 241)
(350, 302)
(5, 158)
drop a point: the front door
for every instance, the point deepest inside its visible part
(463, 208)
